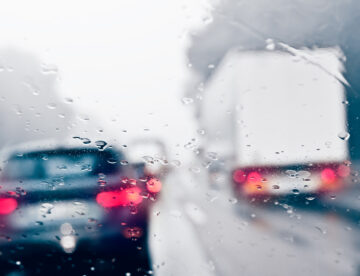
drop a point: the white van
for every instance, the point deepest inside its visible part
(279, 119)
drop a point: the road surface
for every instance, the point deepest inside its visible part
(199, 229)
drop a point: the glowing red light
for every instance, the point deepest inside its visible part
(126, 197)
(153, 185)
(239, 176)
(328, 175)
(7, 205)
(254, 177)
(133, 196)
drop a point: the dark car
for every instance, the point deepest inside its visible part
(74, 199)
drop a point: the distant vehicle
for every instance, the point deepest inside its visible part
(278, 119)
(74, 197)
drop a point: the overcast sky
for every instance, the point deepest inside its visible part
(122, 62)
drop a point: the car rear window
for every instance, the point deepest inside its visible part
(61, 163)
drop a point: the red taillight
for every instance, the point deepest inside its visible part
(126, 197)
(239, 176)
(254, 177)
(153, 185)
(328, 175)
(7, 205)
(133, 196)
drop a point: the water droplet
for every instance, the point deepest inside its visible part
(207, 20)
(84, 117)
(46, 208)
(18, 110)
(276, 187)
(148, 159)
(176, 163)
(195, 169)
(102, 183)
(86, 141)
(310, 198)
(212, 155)
(295, 191)
(112, 161)
(291, 173)
(69, 100)
(201, 131)
(270, 45)
(233, 200)
(303, 174)
(100, 144)
(187, 100)
(343, 135)
(49, 69)
(51, 105)
(124, 162)
(322, 231)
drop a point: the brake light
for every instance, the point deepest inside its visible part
(126, 197)
(239, 176)
(254, 177)
(328, 175)
(153, 185)
(254, 184)
(7, 205)
(133, 196)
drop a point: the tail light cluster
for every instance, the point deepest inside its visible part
(128, 196)
(241, 176)
(252, 179)
(125, 197)
(331, 174)
(331, 177)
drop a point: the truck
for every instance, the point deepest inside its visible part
(278, 120)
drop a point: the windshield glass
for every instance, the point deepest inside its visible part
(180, 137)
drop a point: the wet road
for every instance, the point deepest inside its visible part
(199, 229)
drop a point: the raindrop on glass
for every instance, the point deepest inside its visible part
(100, 144)
(270, 45)
(343, 135)
(186, 100)
(51, 105)
(124, 162)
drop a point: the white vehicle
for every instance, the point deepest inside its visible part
(279, 119)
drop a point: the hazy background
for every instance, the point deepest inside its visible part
(121, 65)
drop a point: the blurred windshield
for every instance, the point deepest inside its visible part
(210, 137)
